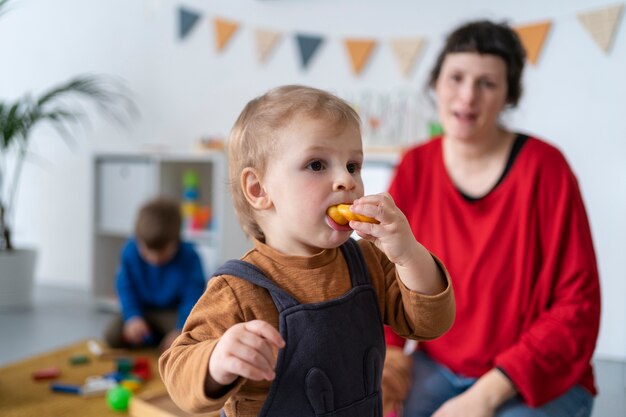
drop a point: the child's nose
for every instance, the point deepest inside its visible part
(344, 181)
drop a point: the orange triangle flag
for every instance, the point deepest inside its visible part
(224, 30)
(532, 37)
(360, 51)
(601, 24)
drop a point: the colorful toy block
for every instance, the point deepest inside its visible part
(97, 385)
(47, 373)
(65, 388)
(79, 359)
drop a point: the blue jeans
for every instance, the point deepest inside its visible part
(434, 384)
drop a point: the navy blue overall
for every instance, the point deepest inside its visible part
(333, 359)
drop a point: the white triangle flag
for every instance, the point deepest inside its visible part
(266, 41)
(406, 52)
(601, 24)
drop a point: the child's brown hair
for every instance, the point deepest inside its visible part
(252, 139)
(158, 223)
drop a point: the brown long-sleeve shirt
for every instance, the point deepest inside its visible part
(230, 300)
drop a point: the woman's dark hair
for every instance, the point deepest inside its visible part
(486, 37)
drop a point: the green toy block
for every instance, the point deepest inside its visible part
(79, 359)
(124, 365)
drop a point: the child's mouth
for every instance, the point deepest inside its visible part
(335, 226)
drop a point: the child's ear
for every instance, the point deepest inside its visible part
(253, 189)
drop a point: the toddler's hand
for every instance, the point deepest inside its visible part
(136, 330)
(246, 350)
(393, 234)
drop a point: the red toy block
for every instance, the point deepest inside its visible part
(47, 373)
(142, 369)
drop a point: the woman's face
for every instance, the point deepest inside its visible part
(471, 92)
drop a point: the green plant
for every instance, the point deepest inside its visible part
(59, 107)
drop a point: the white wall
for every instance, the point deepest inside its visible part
(573, 97)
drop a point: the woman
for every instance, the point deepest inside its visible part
(504, 213)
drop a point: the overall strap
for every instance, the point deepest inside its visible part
(359, 274)
(251, 273)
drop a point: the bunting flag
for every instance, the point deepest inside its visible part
(265, 41)
(406, 52)
(308, 45)
(359, 51)
(187, 19)
(601, 24)
(532, 37)
(224, 31)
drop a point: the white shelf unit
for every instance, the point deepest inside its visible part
(124, 181)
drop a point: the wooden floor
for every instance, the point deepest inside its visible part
(23, 396)
(63, 316)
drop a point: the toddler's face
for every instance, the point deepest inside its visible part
(315, 166)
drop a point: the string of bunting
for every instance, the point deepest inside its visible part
(601, 24)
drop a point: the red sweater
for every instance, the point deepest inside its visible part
(522, 264)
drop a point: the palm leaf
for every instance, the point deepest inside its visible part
(60, 108)
(3, 4)
(88, 86)
(14, 124)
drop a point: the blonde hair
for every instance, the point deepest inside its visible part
(253, 137)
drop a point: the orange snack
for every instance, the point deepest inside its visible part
(342, 215)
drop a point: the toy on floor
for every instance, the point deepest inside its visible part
(47, 373)
(79, 359)
(118, 398)
(97, 385)
(100, 352)
(65, 388)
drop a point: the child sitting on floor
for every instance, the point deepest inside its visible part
(159, 279)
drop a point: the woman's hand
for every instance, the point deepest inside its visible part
(465, 405)
(488, 393)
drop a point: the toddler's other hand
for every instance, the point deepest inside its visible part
(136, 330)
(246, 350)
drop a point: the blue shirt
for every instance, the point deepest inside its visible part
(178, 284)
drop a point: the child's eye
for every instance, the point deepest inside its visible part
(316, 166)
(353, 167)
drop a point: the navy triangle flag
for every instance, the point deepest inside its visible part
(187, 19)
(308, 45)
